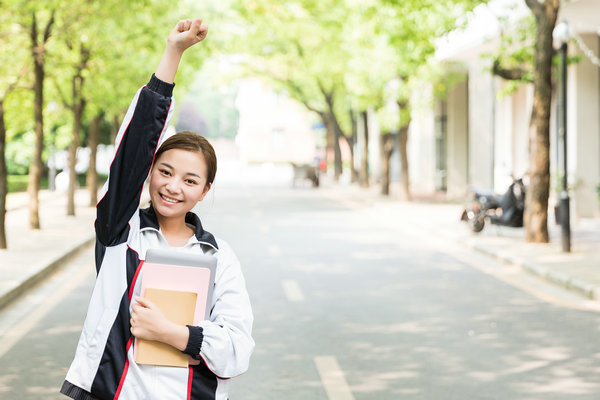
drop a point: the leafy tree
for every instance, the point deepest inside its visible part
(38, 21)
(531, 62)
(536, 202)
(298, 47)
(10, 78)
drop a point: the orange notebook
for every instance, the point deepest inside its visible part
(178, 307)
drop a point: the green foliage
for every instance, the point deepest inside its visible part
(362, 54)
(124, 41)
(350, 48)
(18, 183)
(516, 52)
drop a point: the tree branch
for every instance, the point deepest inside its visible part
(534, 5)
(33, 31)
(48, 29)
(511, 74)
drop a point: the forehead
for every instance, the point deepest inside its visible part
(192, 161)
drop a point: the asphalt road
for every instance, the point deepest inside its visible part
(350, 302)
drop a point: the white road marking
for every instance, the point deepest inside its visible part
(19, 330)
(333, 379)
(274, 250)
(292, 290)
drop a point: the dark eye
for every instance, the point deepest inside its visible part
(165, 172)
(190, 182)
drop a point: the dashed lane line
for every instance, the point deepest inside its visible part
(292, 290)
(333, 378)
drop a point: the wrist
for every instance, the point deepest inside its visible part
(175, 335)
(173, 49)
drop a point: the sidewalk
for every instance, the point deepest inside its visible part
(578, 271)
(32, 255)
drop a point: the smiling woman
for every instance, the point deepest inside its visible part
(181, 171)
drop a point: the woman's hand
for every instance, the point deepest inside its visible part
(149, 323)
(187, 33)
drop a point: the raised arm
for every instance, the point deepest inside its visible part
(185, 34)
(139, 137)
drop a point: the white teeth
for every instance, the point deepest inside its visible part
(170, 200)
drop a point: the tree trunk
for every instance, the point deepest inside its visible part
(337, 153)
(364, 162)
(3, 178)
(92, 175)
(403, 138)
(536, 201)
(333, 142)
(35, 169)
(387, 148)
(329, 136)
(351, 143)
(78, 108)
(77, 117)
(337, 132)
(38, 50)
(114, 128)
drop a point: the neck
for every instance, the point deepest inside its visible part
(175, 230)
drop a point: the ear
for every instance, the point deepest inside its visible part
(205, 191)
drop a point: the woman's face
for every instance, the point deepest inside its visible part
(178, 182)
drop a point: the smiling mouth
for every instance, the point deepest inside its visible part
(169, 199)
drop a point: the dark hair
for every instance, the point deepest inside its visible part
(191, 141)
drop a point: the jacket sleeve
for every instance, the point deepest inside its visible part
(227, 343)
(137, 141)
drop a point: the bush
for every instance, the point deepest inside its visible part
(18, 183)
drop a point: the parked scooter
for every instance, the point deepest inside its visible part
(500, 209)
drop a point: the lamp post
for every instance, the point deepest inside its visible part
(561, 34)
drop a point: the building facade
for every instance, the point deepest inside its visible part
(476, 136)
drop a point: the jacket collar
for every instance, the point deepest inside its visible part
(148, 220)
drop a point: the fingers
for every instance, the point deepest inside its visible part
(143, 302)
(196, 30)
(184, 25)
(202, 32)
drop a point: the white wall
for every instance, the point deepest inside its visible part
(481, 125)
(421, 143)
(458, 141)
(583, 131)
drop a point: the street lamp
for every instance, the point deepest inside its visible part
(562, 34)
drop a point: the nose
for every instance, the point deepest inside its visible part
(173, 186)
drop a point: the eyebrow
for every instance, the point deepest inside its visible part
(187, 173)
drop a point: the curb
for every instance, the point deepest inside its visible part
(561, 279)
(44, 271)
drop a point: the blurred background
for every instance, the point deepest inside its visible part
(351, 137)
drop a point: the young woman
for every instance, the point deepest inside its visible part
(181, 171)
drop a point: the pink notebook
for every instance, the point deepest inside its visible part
(179, 278)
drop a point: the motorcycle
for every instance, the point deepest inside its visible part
(500, 209)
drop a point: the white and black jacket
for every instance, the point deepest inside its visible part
(103, 366)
